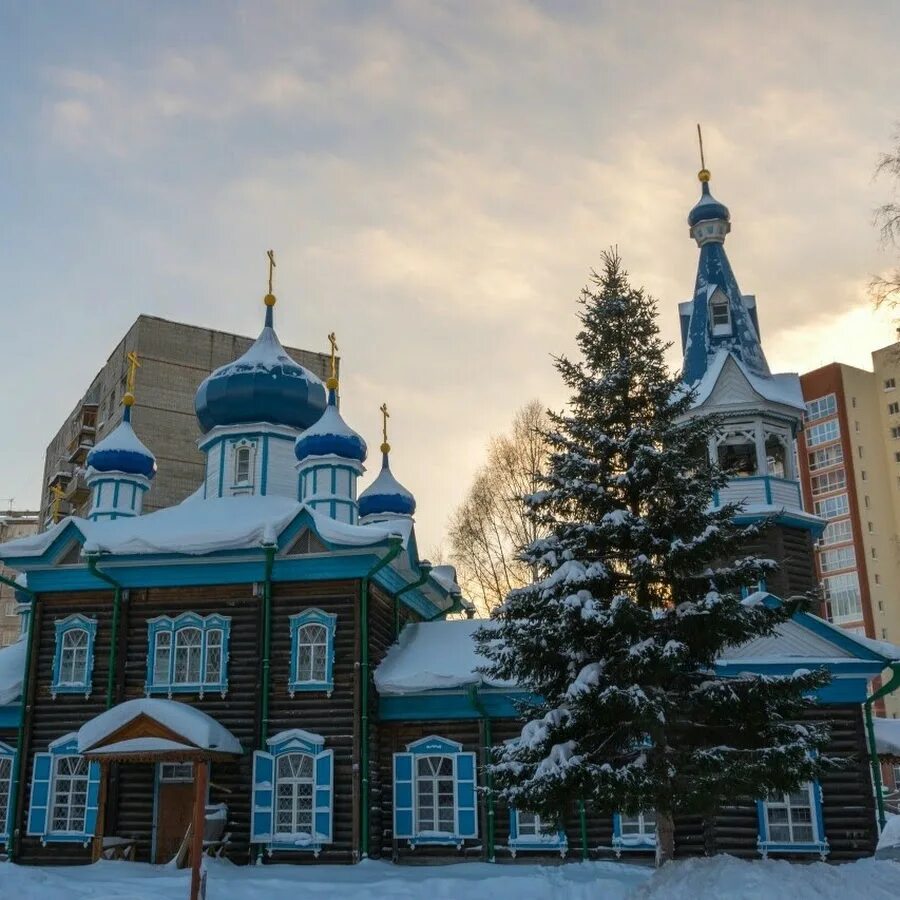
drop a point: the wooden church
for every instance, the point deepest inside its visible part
(276, 646)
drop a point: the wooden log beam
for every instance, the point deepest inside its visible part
(201, 781)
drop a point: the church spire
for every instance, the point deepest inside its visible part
(719, 318)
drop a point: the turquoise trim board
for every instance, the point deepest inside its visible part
(535, 839)
(307, 750)
(73, 656)
(187, 654)
(312, 635)
(10, 716)
(441, 705)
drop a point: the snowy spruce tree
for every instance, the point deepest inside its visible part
(639, 593)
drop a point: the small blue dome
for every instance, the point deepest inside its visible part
(708, 208)
(263, 385)
(331, 436)
(122, 451)
(386, 496)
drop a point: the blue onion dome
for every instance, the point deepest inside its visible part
(707, 207)
(263, 385)
(385, 495)
(122, 450)
(331, 436)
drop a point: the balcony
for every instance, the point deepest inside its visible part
(761, 490)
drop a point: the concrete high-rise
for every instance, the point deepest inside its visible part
(849, 455)
(174, 359)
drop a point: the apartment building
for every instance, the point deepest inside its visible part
(14, 523)
(174, 359)
(849, 456)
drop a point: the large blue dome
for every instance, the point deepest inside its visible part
(707, 208)
(122, 451)
(263, 385)
(385, 496)
(331, 436)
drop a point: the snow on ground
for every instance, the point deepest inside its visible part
(722, 878)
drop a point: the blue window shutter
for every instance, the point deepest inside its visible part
(93, 798)
(513, 824)
(263, 797)
(466, 811)
(40, 794)
(324, 793)
(403, 795)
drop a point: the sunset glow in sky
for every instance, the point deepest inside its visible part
(437, 180)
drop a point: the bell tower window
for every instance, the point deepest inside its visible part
(242, 465)
(720, 315)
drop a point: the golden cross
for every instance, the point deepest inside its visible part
(271, 255)
(58, 494)
(133, 365)
(385, 415)
(700, 139)
(334, 347)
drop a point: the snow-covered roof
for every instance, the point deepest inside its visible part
(331, 436)
(199, 527)
(445, 576)
(121, 451)
(887, 736)
(443, 655)
(385, 495)
(199, 730)
(12, 671)
(783, 388)
(435, 656)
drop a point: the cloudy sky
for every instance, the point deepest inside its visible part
(437, 179)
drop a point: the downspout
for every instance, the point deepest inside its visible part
(269, 550)
(267, 646)
(13, 849)
(426, 571)
(892, 684)
(93, 566)
(396, 545)
(455, 607)
(487, 750)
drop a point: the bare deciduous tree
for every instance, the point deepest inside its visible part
(885, 289)
(490, 527)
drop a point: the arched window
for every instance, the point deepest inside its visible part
(312, 651)
(188, 653)
(312, 647)
(435, 800)
(73, 661)
(293, 789)
(73, 657)
(242, 465)
(294, 796)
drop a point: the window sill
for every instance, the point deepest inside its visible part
(310, 686)
(84, 689)
(767, 847)
(199, 689)
(65, 837)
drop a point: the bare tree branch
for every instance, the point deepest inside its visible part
(491, 526)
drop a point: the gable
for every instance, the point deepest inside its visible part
(732, 387)
(72, 556)
(306, 542)
(791, 640)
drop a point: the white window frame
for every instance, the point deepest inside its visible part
(835, 507)
(837, 531)
(163, 645)
(821, 407)
(828, 482)
(720, 325)
(826, 457)
(837, 558)
(823, 432)
(434, 780)
(64, 681)
(817, 844)
(847, 598)
(294, 783)
(7, 759)
(55, 800)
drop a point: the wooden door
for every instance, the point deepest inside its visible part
(174, 804)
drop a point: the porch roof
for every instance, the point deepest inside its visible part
(156, 730)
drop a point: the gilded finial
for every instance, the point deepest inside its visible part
(703, 174)
(133, 365)
(58, 494)
(385, 415)
(332, 383)
(269, 299)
